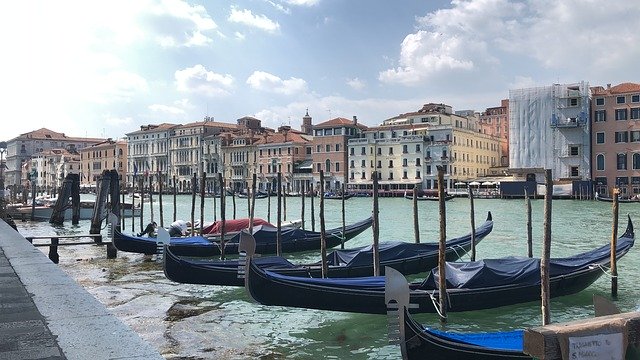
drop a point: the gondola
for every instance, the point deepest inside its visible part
(492, 283)
(417, 342)
(293, 240)
(429, 198)
(259, 195)
(334, 196)
(408, 258)
(620, 200)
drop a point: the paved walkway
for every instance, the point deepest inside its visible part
(44, 314)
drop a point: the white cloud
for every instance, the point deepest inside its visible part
(240, 36)
(280, 7)
(522, 82)
(264, 81)
(303, 2)
(117, 121)
(356, 83)
(198, 79)
(478, 36)
(174, 23)
(116, 86)
(246, 17)
(166, 109)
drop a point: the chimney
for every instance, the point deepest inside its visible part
(355, 120)
(608, 86)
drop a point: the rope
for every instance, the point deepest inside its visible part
(604, 270)
(458, 254)
(435, 305)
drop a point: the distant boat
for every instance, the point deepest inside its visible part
(332, 195)
(621, 200)
(425, 197)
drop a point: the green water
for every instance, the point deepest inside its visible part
(237, 328)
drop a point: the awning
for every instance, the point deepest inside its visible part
(474, 183)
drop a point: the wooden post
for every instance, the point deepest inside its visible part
(313, 210)
(375, 227)
(279, 219)
(159, 198)
(323, 235)
(215, 210)
(222, 215)
(175, 192)
(416, 225)
(53, 250)
(233, 202)
(614, 246)
(194, 181)
(253, 202)
(442, 248)
(141, 184)
(473, 226)
(546, 249)
(133, 204)
(33, 198)
(203, 183)
(529, 227)
(269, 188)
(344, 225)
(284, 203)
(123, 209)
(302, 193)
(248, 201)
(151, 196)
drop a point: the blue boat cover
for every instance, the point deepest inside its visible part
(518, 270)
(362, 256)
(189, 240)
(358, 283)
(499, 340)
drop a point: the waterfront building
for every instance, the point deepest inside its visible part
(329, 150)
(615, 159)
(288, 152)
(494, 121)
(549, 128)
(407, 149)
(20, 150)
(107, 155)
(238, 158)
(51, 167)
(148, 152)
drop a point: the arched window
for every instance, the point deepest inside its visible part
(636, 161)
(327, 165)
(600, 162)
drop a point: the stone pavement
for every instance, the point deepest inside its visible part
(44, 314)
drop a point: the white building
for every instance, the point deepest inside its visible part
(148, 152)
(549, 129)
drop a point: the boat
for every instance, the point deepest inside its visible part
(331, 196)
(293, 240)
(620, 200)
(419, 342)
(426, 197)
(259, 195)
(408, 258)
(490, 283)
(44, 212)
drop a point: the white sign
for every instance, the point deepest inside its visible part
(603, 346)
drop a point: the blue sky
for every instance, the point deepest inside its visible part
(103, 68)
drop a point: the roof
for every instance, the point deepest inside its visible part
(279, 138)
(622, 88)
(153, 127)
(208, 123)
(46, 134)
(339, 122)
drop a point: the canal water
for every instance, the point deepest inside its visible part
(215, 322)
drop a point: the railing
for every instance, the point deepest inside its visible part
(55, 242)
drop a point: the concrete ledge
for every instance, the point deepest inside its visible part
(84, 328)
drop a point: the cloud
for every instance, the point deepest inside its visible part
(175, 23)
(240, 36)
(303, 2)
(478, 36)
(167, 109)
(280, 7)
(117, 121)
(264, 81)
(356, 83)
(198, 79)
(246, 17)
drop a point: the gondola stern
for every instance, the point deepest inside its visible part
(489, 216)
(629, 232)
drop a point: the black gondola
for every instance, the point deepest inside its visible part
(493, 283)
(408, 258)
(429, 198)
(620, 200)
(293, 240)
(335, 196)
(417, 342)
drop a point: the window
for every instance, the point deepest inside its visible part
(621, 114)
(635, 98)
(327, 165)
(364, 176)
(327, 148)
(337, 131)
(619, 99)
(390, 163)
(572, 102)
(352, 164)
(417, 174)
(417, 161)
(428, 156)
(390, 176)
(600, 162)
(417, 148)
(352, 151)
(363, 163)
(404, 162)
(635, 136)
(635, 113)
(379, 151)
(390, 151)
(352, 176)
(621, 161)
(622, 136)
(318, 148)
(574, 150)
(379, 164)
(428, 169)
(328, 132)
(404, 149)
(318, 167)
(636, 161)
(309, 150)
(404, 174)
(363, 151)
(337, 147)
(600, 116)
(599, 101)
(574, 171)
(337, 166)
(599, 138)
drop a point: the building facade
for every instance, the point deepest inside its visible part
(107, 155)
(615, 159)
(148, 152)
(494, 121)
(549, 128)
(51, 167)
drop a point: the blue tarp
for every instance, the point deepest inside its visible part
(502, 340)
(388, 251)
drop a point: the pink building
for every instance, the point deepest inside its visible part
(494, 121)
(615, 138)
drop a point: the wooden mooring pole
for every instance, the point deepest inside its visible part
(529, 226)
(442, 248)
(303, 195)
(279, 218)
(376, 227)
(344, 225)
(203, 183)
(473, 226)
(194, 181)
(233, 202)
(160, 190)
(284, 203)
(215, 210)
(151, 196)
(313, 210)
(416, 224)
(175, 193)
(269, 188)
(253, 201)
(141, 185)
(323, 234)
(222, 215)
(546, 249)
(614, 245)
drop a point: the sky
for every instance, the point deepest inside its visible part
(104, 68)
